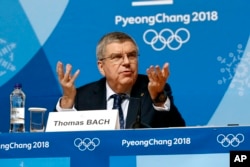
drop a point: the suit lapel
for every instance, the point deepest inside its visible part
(138, 92)
(99, 94)
(132, 111)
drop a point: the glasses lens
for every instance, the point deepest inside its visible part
(118, 58)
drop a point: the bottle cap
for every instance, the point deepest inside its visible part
(18, 85)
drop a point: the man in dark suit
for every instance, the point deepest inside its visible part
(146, 100)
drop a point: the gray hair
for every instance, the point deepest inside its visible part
(110, 38)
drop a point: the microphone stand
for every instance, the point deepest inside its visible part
(138, 123)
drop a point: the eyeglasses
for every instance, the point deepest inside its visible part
(118, 58)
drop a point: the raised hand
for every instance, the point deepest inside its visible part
(157, 79)
(67, 80)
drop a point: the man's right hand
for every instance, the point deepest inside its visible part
(67, 83)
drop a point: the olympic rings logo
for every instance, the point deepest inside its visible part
(87, 143)
(166, 37)
(230, 140)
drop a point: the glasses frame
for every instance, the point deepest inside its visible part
(118, 58)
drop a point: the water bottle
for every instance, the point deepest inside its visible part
(17, 109)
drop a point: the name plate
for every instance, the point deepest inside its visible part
(82, 120)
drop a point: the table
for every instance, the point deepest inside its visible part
(172, 147)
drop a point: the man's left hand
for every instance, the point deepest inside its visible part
(157, 79)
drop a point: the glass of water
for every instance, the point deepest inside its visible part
(37, 119)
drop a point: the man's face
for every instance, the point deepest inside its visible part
(120, 66)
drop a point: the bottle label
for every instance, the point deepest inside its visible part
(17, 115)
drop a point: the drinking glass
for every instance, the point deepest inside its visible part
(37, 119)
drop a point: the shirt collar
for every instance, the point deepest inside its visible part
(110, 92)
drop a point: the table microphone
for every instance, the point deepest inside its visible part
(138, 123)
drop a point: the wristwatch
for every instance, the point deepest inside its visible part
(160, 98)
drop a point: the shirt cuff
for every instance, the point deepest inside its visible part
(166, 106)
(59, 109)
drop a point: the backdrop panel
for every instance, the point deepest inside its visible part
(205, 42)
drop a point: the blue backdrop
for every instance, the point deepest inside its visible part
(205, 42)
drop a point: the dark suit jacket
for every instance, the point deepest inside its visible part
(93, 97)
